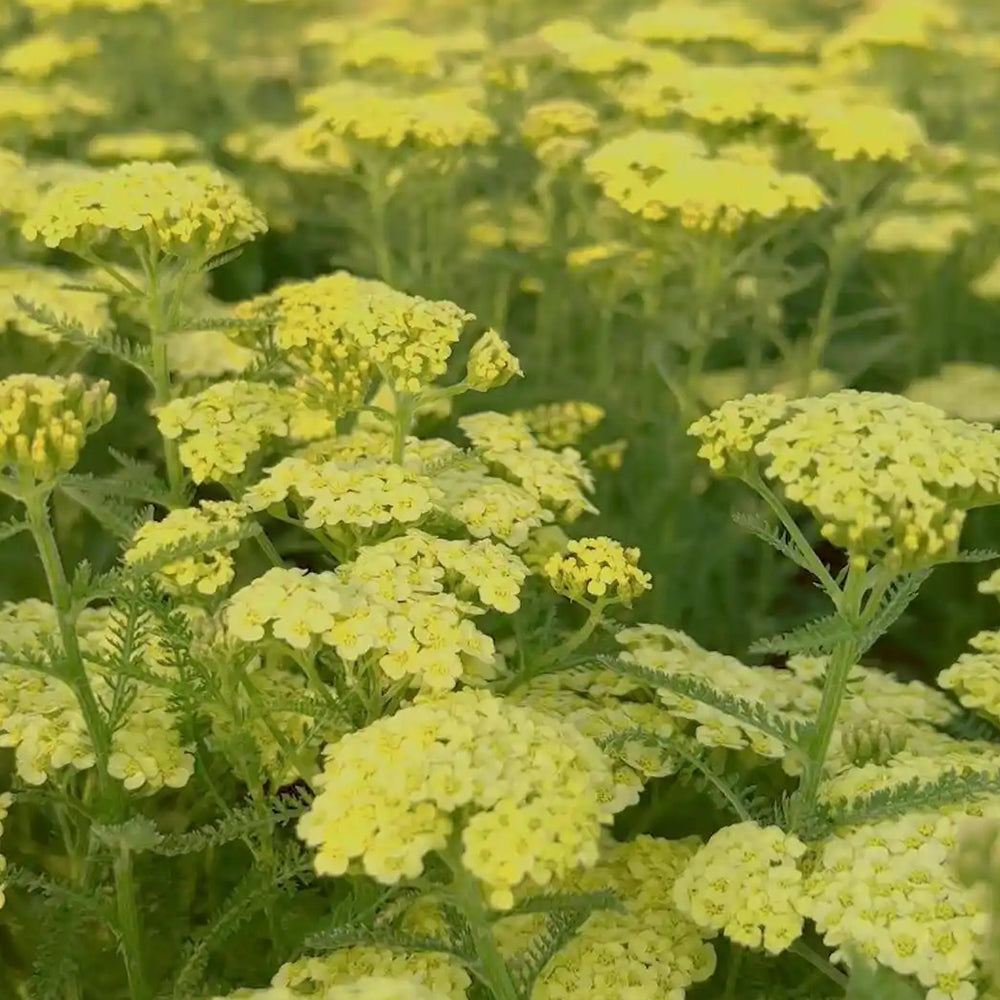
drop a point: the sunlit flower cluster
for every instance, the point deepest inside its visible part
(889, 890)
(559, 425)
(222, 427)
(528, 787)
(882, 474)
(597, 571)
(180, 210)
(559, 480)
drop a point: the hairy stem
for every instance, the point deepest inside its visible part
(37, 505)
(129, 926)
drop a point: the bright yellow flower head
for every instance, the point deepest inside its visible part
(525, 787)
(38, 56)
(491, 363)
(597, 570)
(849, 130)
(122, 147)
(45, 420)
(187, 211)
(886, 477)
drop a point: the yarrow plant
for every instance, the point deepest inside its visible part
(332, 663)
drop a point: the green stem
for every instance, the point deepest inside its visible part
(803, 547)
(818, 962)
(842, 659)
(492, 967)
(401, 428)
(578, 638)
(378, 201)
(129, 926)
(40, 525)
(159, 327)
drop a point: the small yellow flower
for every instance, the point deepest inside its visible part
(491, 363)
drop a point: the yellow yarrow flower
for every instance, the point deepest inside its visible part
(525, 787)
(597, 570)
(189, 211)
(849, 130)
(38, 56)
(45, 420)
(491, 363)
(209, 570)
(886, 477)
(746, 882)
(123, 147)
(558, 425)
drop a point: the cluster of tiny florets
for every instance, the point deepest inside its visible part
(558, 479)
(559, 425)
(523, 790)
(221, 428)
(885, 476)
(491, 363)
(746, 882)
(206, 571)
(597, 570)
(44, 421)
(180, 209)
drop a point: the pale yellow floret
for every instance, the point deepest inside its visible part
(597, 570)
(746, 883)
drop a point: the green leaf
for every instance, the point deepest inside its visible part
(897, 599)
(116, 517)
(223, 258)
(777, 538)
(191, 324)
(977, 556)
(918, 794)
(822, 635)
(13, 527)
(560, 928)
(352, 935)
(788, 731)
(137, 356)
(556, 902)
(185, 548)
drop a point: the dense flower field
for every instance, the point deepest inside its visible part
(498, 500)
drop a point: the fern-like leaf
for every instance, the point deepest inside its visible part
(557, 902)
(777, 538)
(918, 794)
(234, 826)
(87, 906)
(560, 929)
(111, 514)
(255, 891)
(977, 556)
(192, 324)
(361, 934)
(898, 598)
(813, 638)
(788, 731)
(12, 527)
(224, 257)
(137, 356)
(145, 568)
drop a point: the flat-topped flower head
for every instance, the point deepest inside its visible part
(189, 211)
(123, 147)
(205, 572)
(746, 882)
(886, 477)
(343, 332)
(559, 425)
(434, 121)
(851, 130)
(38, 56)
(44, 421)
(526, 791)
(597, 570)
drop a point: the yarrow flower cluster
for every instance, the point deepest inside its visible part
(888, 889)
(211, 568)
(559, 480)
(885, 476)
(559, 425)
(746, 882)
(491, 363)
(41, 718)
(648, 946)
(529, 790)
(597, 570)
(181, 210)
(222, 427)
(44, 421)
